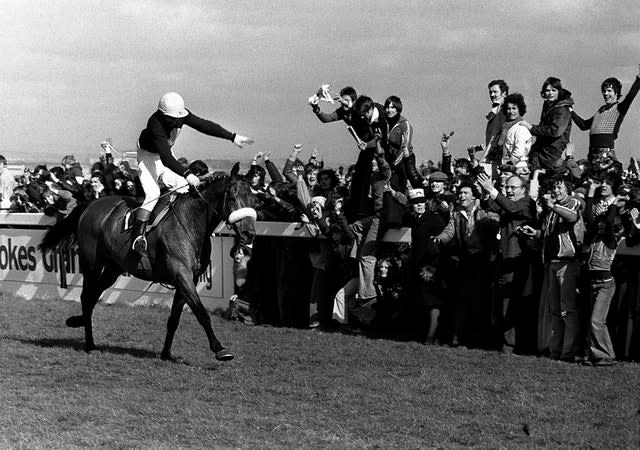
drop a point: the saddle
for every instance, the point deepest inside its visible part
(157, 215)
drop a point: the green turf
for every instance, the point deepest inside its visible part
(288, 388)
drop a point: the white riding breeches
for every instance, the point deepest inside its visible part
(150, 171)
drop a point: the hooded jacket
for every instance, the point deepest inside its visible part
(553, 132)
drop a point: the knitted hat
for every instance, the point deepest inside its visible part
(438, 176)
(416, 196)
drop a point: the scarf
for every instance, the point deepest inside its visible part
(505, 128)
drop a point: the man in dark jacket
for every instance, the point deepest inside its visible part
(425, 278)
(516, 209)
(498, 90)
(370, 126)
(347, 98)
(470, 240)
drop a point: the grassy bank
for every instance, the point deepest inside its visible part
(288, 388)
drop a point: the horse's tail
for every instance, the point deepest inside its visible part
(63, 233)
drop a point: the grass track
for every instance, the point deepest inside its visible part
(288, 388)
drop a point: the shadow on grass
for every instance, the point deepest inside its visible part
(78, 345)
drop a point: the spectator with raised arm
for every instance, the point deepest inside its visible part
(293, 166)
(558, 319)
(370, 126)
(515, 209)
(344, 112)
(601, 222)
(605, 124)
(470, 240)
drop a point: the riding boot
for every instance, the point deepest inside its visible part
(139, 243)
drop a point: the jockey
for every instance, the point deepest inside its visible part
(156, 159)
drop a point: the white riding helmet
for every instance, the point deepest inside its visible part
(172, 104)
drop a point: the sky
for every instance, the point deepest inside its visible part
(76, 72)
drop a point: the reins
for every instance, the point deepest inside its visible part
(209, 178)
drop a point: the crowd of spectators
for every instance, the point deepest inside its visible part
(513, 244)
(57, 190)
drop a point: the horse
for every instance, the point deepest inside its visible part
(177, 253)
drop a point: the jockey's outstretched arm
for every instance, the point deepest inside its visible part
(213, 129)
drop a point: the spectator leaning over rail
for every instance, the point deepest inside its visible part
(369, 123)
(604, 125)
(156, 158)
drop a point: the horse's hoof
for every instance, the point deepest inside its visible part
(90, 348)
(169, 357)
(75, 321)
(224, 355)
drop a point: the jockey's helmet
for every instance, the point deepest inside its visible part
(172, 104)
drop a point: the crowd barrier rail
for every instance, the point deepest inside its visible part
(27, 273)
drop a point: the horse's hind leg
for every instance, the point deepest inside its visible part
(92, 287)
(172, 325)
(186, 288)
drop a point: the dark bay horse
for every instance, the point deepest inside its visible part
(178, 248)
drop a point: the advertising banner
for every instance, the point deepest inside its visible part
(26, 272)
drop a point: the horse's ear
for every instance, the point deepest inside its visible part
(235, 169)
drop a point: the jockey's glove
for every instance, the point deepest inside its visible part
(193, 180)
(241, 140)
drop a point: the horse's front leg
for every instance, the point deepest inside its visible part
(172, 325)
(186, 288)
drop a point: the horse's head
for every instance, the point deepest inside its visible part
(239, 209)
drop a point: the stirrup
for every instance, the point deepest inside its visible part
(139, 244)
